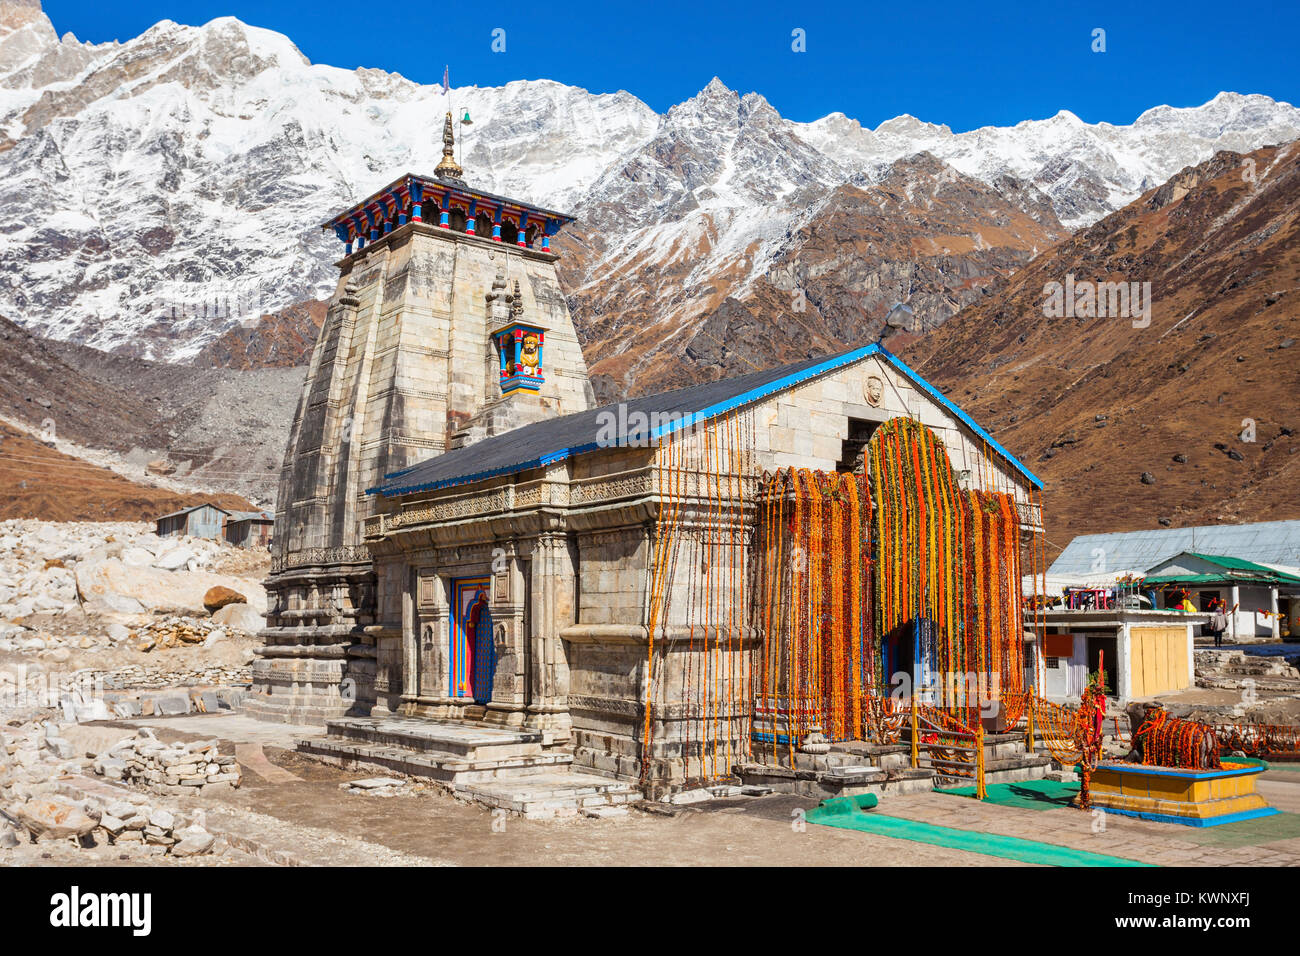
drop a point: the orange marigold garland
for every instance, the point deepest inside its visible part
(815, 586)
(951, 557)
(1166, 741)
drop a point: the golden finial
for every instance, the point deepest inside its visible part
(448, 168)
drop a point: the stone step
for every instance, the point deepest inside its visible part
(835, 782)
(448, 768)
(551, 795)
(471, 741)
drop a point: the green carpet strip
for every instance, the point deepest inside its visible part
(849, 813)
(1028, 794)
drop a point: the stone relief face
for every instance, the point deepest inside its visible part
(874, 390)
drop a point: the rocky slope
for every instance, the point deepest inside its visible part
(161, 192)
(214, 429)
(1189, 419)
(280, 339)
(708, 280)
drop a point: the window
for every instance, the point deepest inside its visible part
(853, 449)
(1053, 663)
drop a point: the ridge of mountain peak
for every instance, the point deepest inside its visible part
(205, 158)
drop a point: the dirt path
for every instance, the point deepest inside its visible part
(297, 803)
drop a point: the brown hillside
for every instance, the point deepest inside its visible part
(37, 481)
(1091, 404)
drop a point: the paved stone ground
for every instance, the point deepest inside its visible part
(311, 821)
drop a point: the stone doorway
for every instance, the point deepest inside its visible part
(470, 655)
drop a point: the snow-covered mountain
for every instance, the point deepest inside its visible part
(157, 191)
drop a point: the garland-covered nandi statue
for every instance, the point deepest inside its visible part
(1165, 741)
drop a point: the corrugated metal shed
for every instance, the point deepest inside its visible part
(1265, 542)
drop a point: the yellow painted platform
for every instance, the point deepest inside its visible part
(1198, 798)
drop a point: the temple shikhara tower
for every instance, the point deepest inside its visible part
(448, 326)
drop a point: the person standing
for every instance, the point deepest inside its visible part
(1218, 622)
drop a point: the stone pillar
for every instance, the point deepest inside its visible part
(431, 695)
(552, 610)
(509, 682)
(412, 658)
(1234, 603)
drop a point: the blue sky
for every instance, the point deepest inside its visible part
(965, 64)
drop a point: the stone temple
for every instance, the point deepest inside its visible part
(481, 578)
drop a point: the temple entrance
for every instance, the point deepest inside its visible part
(471, 657)
(884, 584)
(908, 654)
(478, 636)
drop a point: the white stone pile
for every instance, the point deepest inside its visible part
(158, 676)
(38, 558)
(176, 769)
(72, 591)
(100, 578)
(1238, 670)
(36, 805)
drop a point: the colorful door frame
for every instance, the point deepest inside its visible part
(470, 638)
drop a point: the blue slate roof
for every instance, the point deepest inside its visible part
(542, 443)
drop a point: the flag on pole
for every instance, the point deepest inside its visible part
(446, 79)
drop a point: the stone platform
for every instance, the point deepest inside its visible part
(501, 768)
(1194, 798)
(837, 782)
(548, 795)
(856, 766)
(849, 767)
(1006, 760)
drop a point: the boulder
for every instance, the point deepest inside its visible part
(120, 604)
(193, 841)
(45, 603)
(54, 819)
(136, 557)
(218, 597)
(174, 560)
(240, 617)
(110, 585)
